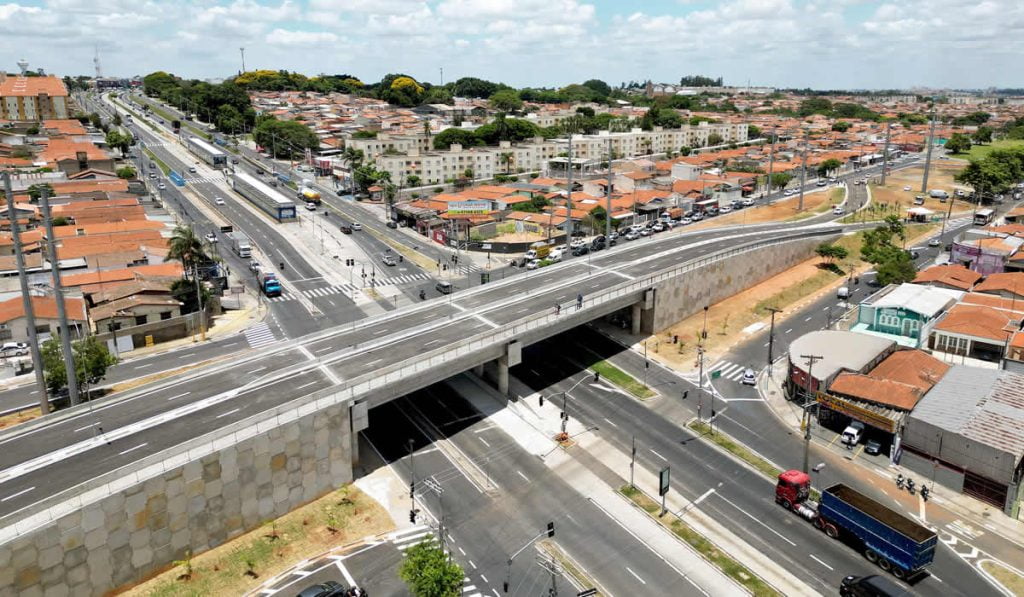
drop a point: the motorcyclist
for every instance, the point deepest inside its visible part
(423, 295)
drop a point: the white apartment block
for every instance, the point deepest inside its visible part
(439, 166)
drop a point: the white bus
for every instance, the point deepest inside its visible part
(983, 217)
(208, 153)
(263, 196)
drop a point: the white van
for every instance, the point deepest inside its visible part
(556, 255)
(938, 194)
(843, 293)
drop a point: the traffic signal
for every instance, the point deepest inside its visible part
(597, 376)
(551, 529)
(412, 516)
(540, 401)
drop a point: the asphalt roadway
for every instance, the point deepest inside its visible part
(210, 398)
(734, 494)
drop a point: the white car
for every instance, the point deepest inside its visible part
(748, 202)
(790, 192)
(632, 235)
(685, 221)
(838, 210)
(357, 226)
(646, 232)
(725, 209)
(906, 188)
(934, 242)
(218, 201)
(658, 227)
(161, 186)
(211, 237)
(749, 377)
(533, 264)
(310, 206)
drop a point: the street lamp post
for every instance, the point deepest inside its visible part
(811, 359)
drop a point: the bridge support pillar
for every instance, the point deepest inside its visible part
(479, 371)
(503, 376)
(359, 419)
(641, 311)
(637, 312)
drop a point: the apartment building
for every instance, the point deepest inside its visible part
(438, 166)
(33, 98)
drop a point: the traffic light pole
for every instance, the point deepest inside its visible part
(550, 532)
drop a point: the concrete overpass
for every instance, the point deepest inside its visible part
(194, 461)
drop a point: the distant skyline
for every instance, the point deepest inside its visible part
(822, 44)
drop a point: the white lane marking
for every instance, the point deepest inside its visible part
(319, 350)
(462, 551)
(525, 478)
(481, 576)
(755, 519)
(808, 319)
(230, 344)
(179, 396)
(432, 342)
(609, 422)
(14, 495)
(484, 441)
(187, 356)
(635, 575)
(703, 496)
(788, 331)
(142, 445)
(306, 385)
(659, 455)
(822, 563)
(144, 366)
(230, 412)
(474, 568)
(91, 425)
(344, 572)
(374, 361)
(255, 371)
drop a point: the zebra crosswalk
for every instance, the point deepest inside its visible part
(211, 179)
(259, 335)
(404, 278)
(344, 289)
(730, 371)
(406, 538)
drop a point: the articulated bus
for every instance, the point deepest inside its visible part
(208, 153)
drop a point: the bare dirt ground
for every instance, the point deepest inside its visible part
(778, 211)
(940, 177)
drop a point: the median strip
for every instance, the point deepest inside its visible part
(729, 566)
(622, 379)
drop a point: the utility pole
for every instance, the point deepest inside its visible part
(811, 359)
(568, 202)
(771, 338)
(771, 165)
(885, 152)
(549, 564)
(803, 174)
(58, 292)
(442, 76)
(632, 462)
(412, 482)
(242, 50)
(608, 197)
(928, 153)
(26, 298)
(700, 382)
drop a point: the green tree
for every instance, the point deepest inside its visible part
(831, 253)
(576, 93)
(32, 130)
(600, 88)
(841, 126)
(187, 247)
(185, 291)
(958, 143)
(92, 359)
(897, 269)
(982, 135)
(685, 151)
(285, 138)
(429, 572)
(753, 132)
(412, 180)
(714, 139)
(473, 87)
(126, 173)
(448, 137)
(505, 129)
(781, 179)
(828, 166)
(117, 119)
(95, 120)
(35, 190)
(505, 100)
(115, 139)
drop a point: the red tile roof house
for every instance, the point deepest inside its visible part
(15, 329)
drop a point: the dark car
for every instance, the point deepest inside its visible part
(392, 224)
(869, 586)
(598, 244)
(259, 171)
(873, 446)
(346, 229)
(234, 160)
(325, 589)
(580, 250)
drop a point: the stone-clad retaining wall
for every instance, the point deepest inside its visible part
(687, 294)
(135, 532)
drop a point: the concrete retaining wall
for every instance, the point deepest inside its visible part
(132, 534)
(687, 294)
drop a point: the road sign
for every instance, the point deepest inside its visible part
(663, 481)
(716, 374)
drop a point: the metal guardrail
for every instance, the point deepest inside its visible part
(74, 498)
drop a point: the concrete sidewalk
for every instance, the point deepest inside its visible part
(589, 463)
(958, 504)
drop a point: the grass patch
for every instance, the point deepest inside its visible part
(339, 518)
(22, 416)
(622, 379)
(723, 561)
(835, 197)
(569, 566)
(978, 152)
(160, 163)
(1011, 579)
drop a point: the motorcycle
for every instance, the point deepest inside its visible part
(910, 486)
(924, 493)
(423, 295)
(899, 481)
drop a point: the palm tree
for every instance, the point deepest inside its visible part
(505, 157)
(186, 247)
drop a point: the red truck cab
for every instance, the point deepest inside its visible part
(793, 488)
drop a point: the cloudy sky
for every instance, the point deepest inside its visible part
(786, 43)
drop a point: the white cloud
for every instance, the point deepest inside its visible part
(284, 37)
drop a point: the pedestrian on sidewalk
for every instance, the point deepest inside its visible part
(558, 308)
(579, 301)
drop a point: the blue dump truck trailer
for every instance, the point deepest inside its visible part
(269, 284)
(894, 542)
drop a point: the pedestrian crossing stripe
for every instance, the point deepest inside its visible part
(259, 335)
(345, 289)
(211, 179)
(730, 371)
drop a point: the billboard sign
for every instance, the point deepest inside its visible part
(475, 206)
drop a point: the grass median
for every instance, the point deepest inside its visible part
(1011, 579)
(340, 518)
(622, 379)
(163, 167)
(721, 560)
